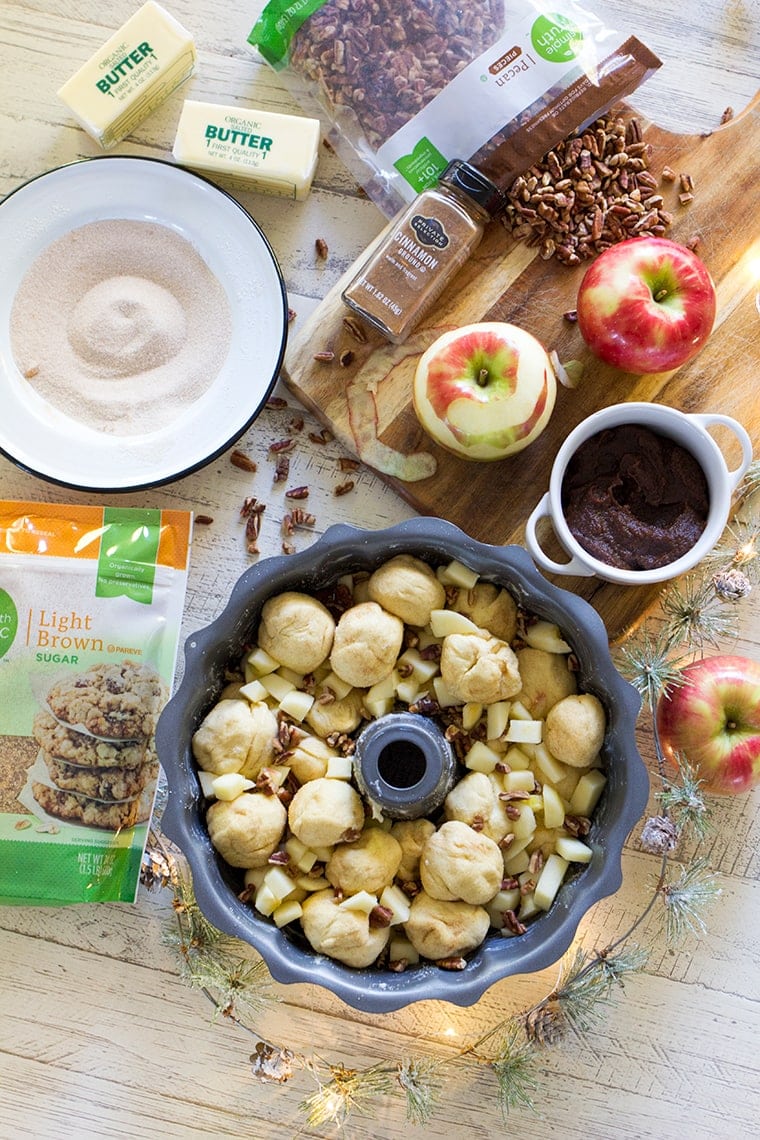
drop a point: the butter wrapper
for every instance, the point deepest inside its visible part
(250, 149)
(126, 79)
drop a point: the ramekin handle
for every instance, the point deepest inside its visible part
(574, 566)
(741, 434)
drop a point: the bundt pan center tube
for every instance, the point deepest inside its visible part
(209, 652)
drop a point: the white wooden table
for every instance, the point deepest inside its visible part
(98, 1035)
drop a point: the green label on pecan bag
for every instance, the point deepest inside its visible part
(556, 38)
(423, 166)
(277, 25)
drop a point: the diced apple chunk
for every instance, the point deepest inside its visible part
(587, 792)
(445, 622)
(253, 691)
(554, 809)
(504, 900)
(362, 901)
(383, 689)
(515, 757)
(519, 780)
(525, 731)
(296, 704)
(261, 662)
(497, 719)
(517, 862)
(423, 668)
(480, 758)
(546, 635)
(265, 901)
(279, 882)
(574, 850)
(525, 824)
(301, 855)
(396, 901)
(408, 690)
(378, 707)
(455, 573)
(471, 714)
(519, 711)
(286, 912)
(311, 883)
(230, 785)
(551, 769)
(337, 686)
(549, 881)
(339, 768)
(206, 781)
(278, 687)
(443, 694)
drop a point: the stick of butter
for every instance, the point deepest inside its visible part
(126, 79)
(258, 150)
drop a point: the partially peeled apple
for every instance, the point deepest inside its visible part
(485, 391)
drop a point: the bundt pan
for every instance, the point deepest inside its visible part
(209, 652)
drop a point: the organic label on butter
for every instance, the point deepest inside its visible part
(276, 154)
(130, 75)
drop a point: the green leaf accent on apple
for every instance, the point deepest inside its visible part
(485, 391)
(646, 305)
(712, 718)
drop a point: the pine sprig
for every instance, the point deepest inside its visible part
(648, 664)
(686, 897)
(694, 614)
(348, 1091)
(683, 803)
(421, 1080)
(515, 1069)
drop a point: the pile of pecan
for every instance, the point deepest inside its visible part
(592, 190)
(367, 59)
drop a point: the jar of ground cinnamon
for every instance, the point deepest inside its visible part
(423, 250)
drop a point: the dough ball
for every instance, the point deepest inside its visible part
(297, 630)
(490, 607)
(546, 679)
(245, 831)
(324, 811)
(460, 863)
(342, 715)
(366, 645)
(369, 864)
(235, 736)
(441, 929)
(407, 587)
(475, 801)
(309, 758)
(574, 729)
(480, 669)
(412, 834)
(340, 932)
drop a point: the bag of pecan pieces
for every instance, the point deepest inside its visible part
(405, 86)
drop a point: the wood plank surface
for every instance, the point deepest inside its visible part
(508, 281)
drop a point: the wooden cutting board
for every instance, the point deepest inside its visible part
(367, 402)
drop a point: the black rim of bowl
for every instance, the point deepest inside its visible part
(343, 548)
(181, 473)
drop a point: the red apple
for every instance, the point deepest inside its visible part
(646, 305)
(713, 720)
(484, 391)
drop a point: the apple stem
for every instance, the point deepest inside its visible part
(661, 294)
(483, 377)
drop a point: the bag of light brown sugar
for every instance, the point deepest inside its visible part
(408, 85)
(91, 602)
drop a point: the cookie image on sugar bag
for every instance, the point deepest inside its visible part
(118, 701)
(70, 807)
(83, 750)
(115, 784)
